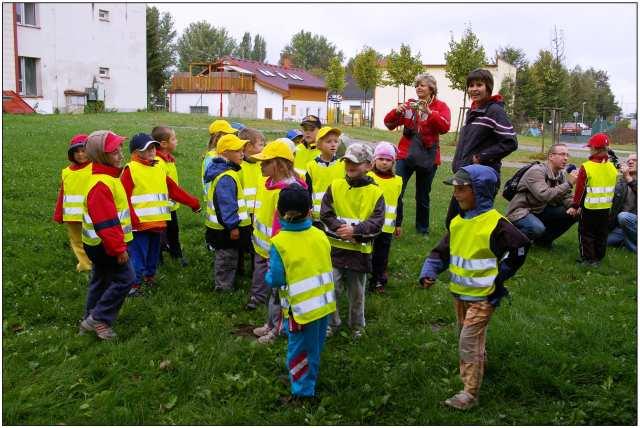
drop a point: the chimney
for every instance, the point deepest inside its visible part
(286, 61)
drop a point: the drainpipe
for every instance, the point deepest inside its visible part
(16, 60)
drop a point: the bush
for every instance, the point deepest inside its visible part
(94, 107)
(623, 135)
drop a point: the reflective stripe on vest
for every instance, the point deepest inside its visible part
(473, 267)
(205, 163)
(310, 291)
(265, 209)
(391, 189)
(353, 205)
(322, 176)
(150, 195)
(211, 220)
(89, 235)
(172, 172)
(74, 185)
(601, 181)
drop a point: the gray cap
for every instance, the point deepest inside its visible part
(359, 153)
(460, 178)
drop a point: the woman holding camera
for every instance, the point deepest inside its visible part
(423, 120)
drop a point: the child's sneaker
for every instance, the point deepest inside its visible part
(378, 288)
(135, 291)
(268, 338)
(261, 331)
(462, 401)
(357, 333)
(330, 331)
(103, 331)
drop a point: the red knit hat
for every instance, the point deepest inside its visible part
(598, 141)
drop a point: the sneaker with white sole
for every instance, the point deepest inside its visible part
(357, 333)
(102, 330)
(268, 338)
(261, 331)
(331, 331)
(462, 401)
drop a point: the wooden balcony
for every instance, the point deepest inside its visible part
(214, 82)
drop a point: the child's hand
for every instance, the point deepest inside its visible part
(197, 209)
(345, 232)
(122, 258)
(397, 232)
(572, 212)
(234, 234)
(427, 282)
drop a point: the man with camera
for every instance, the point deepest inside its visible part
(539, 208)
(623, 217)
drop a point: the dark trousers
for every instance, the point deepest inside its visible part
(145, 254)
(170, 239)
(593, 229)
(380, 257)
(109, 285)
(424, 178)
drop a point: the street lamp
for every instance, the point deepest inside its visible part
(583, 103)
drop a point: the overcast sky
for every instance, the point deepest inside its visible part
(598, 35)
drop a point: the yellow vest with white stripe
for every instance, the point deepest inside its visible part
(601, 182)
(212, 220)
(266, 205)
(89, 235)
(309, 292)
(205, 186)
(473, 266)
(74, 186)
(321, 177)
(353, 205)
(391, 189)
(303, 156)
(172, 171)
(250, 178)
(150, 195)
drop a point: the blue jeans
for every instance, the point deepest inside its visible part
(546, 226)
(145, 254)
(625, 233)
(424, 178)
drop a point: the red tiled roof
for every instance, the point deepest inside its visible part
(276, 81)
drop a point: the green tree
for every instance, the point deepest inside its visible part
(202, 42)
(366, 71)
(402, 68)
(259, 52)
(160, 52)
(550, 80)
(513, 56)
(508, 92)
(335, 76)
(310, 51)
(244, 49)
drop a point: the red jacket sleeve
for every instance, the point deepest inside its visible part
(392, 120)
(127, 183)
(580, 187)
(57, 214)
(104, 215)
(438, 122)
(178, 194)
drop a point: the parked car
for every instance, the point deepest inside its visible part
(570, 128)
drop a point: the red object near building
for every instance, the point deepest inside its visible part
(12, 103)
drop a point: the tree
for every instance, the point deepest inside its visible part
(513, 56)
(366, 72)
(309, 51)
(550, 80)
(259, 52)
(160, 52)
(402, 68)
(508, 92)
(244, 50)
(202, 42)
(334, 77)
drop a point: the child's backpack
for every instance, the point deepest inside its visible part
(511, 185)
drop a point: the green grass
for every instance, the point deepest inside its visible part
(563, 353)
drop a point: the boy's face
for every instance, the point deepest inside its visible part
(170, 145)
(384, 164)
(268, 168)
(115, 157)
(356, 170)
(329, 144)
(79, 155)
(477, 91)
(256, 147)
(309, 133)
(465, 197)
(234, 156)
(149, 154)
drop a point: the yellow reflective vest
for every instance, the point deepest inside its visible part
(89, 235)
(250, 177)
(212, 219)
(600, 184)
(391, 189)
(303, 156)
(74, 186)
(205, 162)
(309, 292)
(150, 195)
(266, 205)
(172, 171)
(353, 205)
(473, 266)
(322, 176)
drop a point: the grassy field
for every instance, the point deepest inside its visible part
(564, 352)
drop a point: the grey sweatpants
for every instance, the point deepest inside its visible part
(225, 264)
(355, 285)
(259, 289)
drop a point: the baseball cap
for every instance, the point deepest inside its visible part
(274, 149)
(325, 130)
(460, 178)
(107, 140)
(238, 126)
(230, 142)
(77, 141)
(141, 142)
(311, 120)
(221, 126)
(294, 198)
(598, 141)
(291, 144)
(385, 150)
(293, 134)
(358, 153)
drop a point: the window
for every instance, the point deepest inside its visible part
(199, 109)
(103, 15)
(26, 14)
(295, 76)
(266, 72)
(104, 72)
(281, 75)
(28, 78)
(293, 109)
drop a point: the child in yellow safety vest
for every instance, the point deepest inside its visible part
(352, 211)
(306, 150)
(228, 223)
(305, 281)
(217, 129)
(277, 166)
(482, 250)
(150, 191)
(384, 157)
(323, 169)
(593, 199)
(73, 186)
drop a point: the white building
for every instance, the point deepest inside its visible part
(53, 52)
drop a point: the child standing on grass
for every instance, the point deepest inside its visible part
(217, 129)
(482, 250)
(592, 201)
(277, 166)
(305, 281)
(384, 157)
(106, 229)
(228, 223)
(324, 168)
(73, 186)
(306, 150)
(171, 236)
(353, 212)
(149, 190)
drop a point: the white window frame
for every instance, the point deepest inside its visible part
(106, 13)
(104, 74)
(20, 15)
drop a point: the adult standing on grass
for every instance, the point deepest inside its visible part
(487, 136)
(423, 120)
(623, 217)
(544, 194)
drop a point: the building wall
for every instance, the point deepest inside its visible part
(243, 105)
(307, 94)
(317, 108)
(72, 43)
(268, 98)
(8, 52)
(182, 102)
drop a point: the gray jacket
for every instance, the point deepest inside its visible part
(538, 188)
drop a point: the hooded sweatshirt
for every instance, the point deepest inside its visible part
(226, 191)
(505, 239)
